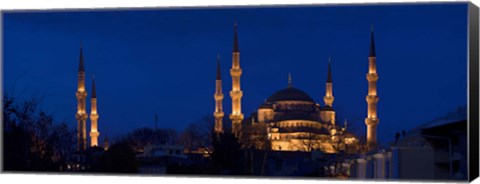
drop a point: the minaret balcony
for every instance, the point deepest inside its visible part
(81, 94)
(371, 121)
(372, 99)
(236, 117)
(218, 114)
(81, 116)
(236, 72)
(218, 97)
(93, 117)
(328, 99)
(94, 134)
(372, 77)
(236, 94)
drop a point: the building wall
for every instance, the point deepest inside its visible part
(373, 166)
(413, 163)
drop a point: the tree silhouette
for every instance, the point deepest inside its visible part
(309, 141)
(197, 134)
(32, 140)
(119, 158)
(142, 137)
(227, 153)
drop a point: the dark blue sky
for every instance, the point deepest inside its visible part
(163, 60)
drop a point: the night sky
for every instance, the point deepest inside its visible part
(163, 61)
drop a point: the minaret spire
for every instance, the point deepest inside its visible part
(236, 93)
(81, 67)
(81, 115)
(235, 37)
(219, 75)
(94, 91)
(372, 43)
(218, 96)
(94, 133)
(372, 99)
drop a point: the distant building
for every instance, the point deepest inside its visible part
(285, 163)
(84, 160)
(436, 150)
(163, 150)
(373, 165)
(433, 151)
(156, 158)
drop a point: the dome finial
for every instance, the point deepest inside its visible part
(329, 71)
(289, 80)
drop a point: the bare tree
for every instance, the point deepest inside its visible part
(310, 142)
(142, 137)
(33, 141)
(198, 134)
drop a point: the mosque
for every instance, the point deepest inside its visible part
(290, 120)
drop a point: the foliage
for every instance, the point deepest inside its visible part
(197, 134)
(32, 140)
(227, 153)
(119, 158)
(142, 137)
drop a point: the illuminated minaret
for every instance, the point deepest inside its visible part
(236, 93)
(328, 99)
(94, 117)
(218, 96)
(81, 115)
(372, 99)
(329, 113)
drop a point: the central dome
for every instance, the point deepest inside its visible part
(290, 94)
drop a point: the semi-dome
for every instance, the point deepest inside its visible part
(290, 94)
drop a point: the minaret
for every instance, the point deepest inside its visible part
(329, 113)
(328, 99)
(94, 117)
(81, 115)
(236, 94)
(372, 99)
(218, 96)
